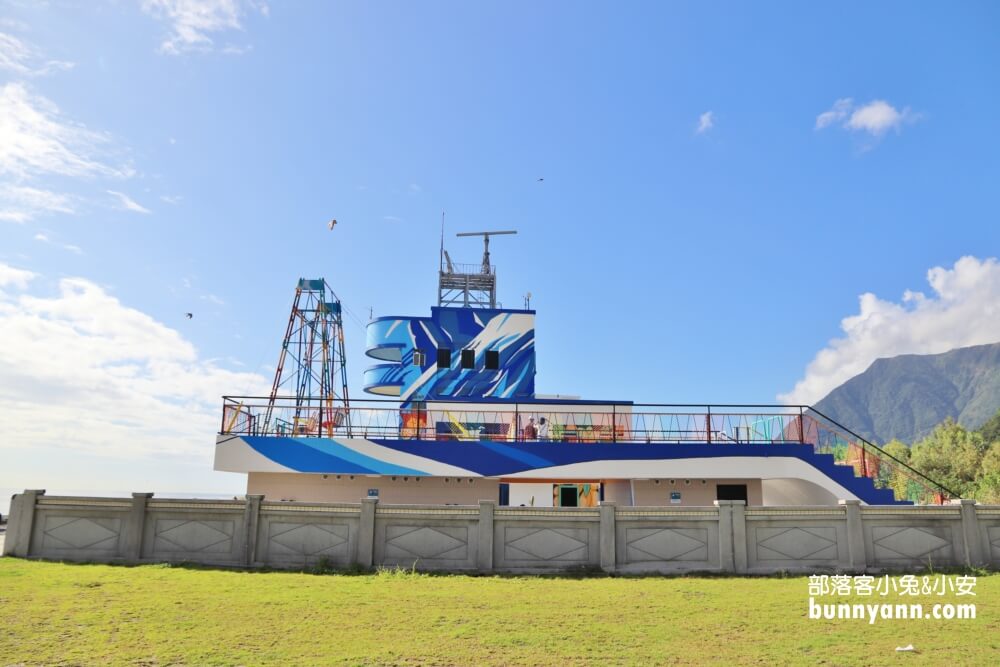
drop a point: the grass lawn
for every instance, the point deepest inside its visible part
(52, 613)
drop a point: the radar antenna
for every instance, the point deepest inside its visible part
(469, 285)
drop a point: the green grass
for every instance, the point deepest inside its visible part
(53, 613)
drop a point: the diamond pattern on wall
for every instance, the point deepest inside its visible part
(194, 536)
(993, 534)
(814, 543)
(65, 532)
(546, 544)
(663, 544)
(308, 539)
(427, 542)
(905, 542)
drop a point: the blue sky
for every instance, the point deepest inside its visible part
(701, 232)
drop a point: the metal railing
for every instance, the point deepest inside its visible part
(582, 423)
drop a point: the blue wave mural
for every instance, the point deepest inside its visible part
(508, 333)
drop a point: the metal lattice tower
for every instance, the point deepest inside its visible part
(313, 349)
(468, 285)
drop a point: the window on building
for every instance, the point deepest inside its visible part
(492, 360)
(419, 358)
(468, 358)
(444, 357)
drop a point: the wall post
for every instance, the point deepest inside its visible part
(856, 559)
(739, 519)
(607, 532)
(136, 526)
(251, 517)
(366, 532)
(727, 562)
(971, 542)
(21, 524)
(485, 546)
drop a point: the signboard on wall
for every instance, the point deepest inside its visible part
(373, 493)
(675, 497)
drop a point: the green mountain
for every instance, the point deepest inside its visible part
(904, 397)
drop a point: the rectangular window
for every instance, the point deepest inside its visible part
(444, 357)
(419, 358)
(468, 358)
(492, 360)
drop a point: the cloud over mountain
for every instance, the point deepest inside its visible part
(963, 309)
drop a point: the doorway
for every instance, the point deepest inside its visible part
(568, 495)
(731, 492)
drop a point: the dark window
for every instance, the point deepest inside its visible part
(731, 492)
(468, 358)
(492, 360)
(444, 357)
(419, 358)
(568, 496)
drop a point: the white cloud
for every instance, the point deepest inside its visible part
(16, 277)
(191, 22)
(211, 298)
(963, 309)
(392, 218)
(126, 203)
(35, 139)
(841, 108)
(83, 371)
(20, 203)
(875, 118)
(24, 59)
(171, 199)
(44, 238)
(415, 189)
(706, 122)
(235, 50)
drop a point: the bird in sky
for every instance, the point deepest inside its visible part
(332, 223)
(189, 315)
(540, 180)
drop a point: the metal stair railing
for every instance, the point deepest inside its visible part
(938, 492)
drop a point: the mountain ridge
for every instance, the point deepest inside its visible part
(905, 396)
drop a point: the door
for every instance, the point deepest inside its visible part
(568, 495)
(731, 492)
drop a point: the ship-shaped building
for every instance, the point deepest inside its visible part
(457, 420)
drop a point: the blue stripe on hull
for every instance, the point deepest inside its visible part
(495, 459)
(323, 455)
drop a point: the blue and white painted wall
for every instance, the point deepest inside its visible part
(502, 343)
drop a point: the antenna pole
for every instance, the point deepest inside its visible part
(464, 285)
(441, 254)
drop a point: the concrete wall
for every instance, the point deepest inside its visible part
(399, 490)
(694, 492)
(531, 494)
(723, 537)
(793, 491)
